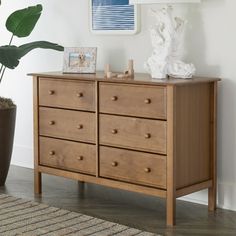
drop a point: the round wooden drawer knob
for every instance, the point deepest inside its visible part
(51, 92)
(52, 153)
(114, 98)
(147, 170)
(148, 101)
(114, 163)
(80, 127)
(80, 158)
(80, 95)
(114, 131)
(52, 122)
(147, 136)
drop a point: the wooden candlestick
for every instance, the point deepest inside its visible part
(131, 67)
(131, 64)
(107, 69)
(128, 73)
(109, 74)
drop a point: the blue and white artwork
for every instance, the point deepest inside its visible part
(113, 15)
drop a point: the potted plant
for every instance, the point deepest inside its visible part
(20, 23)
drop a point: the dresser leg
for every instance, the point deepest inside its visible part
(212, 193)
(81, 185)
(170, 211)
(212, 198)
(171, 157)
(37, 182)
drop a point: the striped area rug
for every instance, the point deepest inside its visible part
(27, 218)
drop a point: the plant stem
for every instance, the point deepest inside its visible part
(3, 69)
(11, 39)
(2, 74)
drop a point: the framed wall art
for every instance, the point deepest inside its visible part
(114, 17)
(80, 60)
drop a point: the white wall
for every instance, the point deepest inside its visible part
(210, 45)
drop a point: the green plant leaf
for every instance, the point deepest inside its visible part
(22, 22)
(9, 56)
(26, 48)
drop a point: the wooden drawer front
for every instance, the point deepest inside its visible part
(68, 155)
(132, 166)
(133, 100)
(67, 94)
(134, 133)
(73, 125)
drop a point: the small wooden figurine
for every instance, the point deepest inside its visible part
(129, 73)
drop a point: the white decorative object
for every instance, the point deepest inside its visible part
(166, 37)
(179, 69)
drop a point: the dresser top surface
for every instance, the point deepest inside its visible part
(139, 78)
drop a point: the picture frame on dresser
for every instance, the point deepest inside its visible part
(112, 17)
(79, 60)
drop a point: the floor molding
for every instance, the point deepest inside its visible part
(226, 196)
(23, 156)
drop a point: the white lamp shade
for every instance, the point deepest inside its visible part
(162, 1)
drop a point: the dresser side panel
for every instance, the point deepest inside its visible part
(193, 119)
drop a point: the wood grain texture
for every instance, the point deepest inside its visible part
(133, 100)
(74, 156)
(133, 133)
(67, 124)
(37, 174)
(79, 95)
(192, 134)
(134, 167)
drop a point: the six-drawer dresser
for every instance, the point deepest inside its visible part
(155, 137)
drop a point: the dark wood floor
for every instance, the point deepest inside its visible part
(135, 210)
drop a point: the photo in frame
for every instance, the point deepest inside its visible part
(113, 17)
(80, 60)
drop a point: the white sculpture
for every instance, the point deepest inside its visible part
(166, 37)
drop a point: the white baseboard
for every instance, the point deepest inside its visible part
(23, 156)
(226, 196)
(199, 197)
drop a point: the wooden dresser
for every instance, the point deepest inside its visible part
(155, 137)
